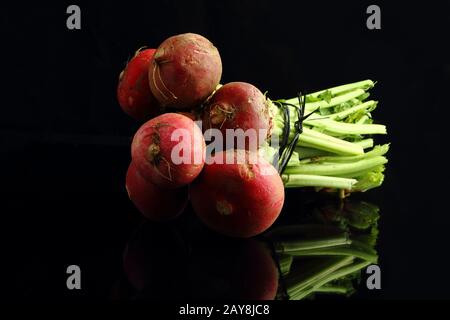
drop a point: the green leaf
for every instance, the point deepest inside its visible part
(326, 95)
(312, 99)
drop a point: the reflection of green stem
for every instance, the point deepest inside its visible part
(350, 250)
(300, 231)
(292, 247)
(332, 289)
(342, 272)
(295, 286)
(285, 262)
(327, 258)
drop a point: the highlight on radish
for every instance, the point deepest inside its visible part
(133, 92)
(185, 70)
(169, 150)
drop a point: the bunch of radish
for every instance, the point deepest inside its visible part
(169, 156)
(213, 144)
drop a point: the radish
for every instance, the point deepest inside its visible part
(190, 115)
(239, 105)
(169, 150)
(185, 70)
(238, 198)
(154, 203)
(133, 91)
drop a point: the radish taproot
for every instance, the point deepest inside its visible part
(243, 108)
(154, 203)
(238, 193)
(133, 92)
(185, 70)
(169, 150)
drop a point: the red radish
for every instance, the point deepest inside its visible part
(169, 150)
(239, 105)
(133, 92)
(185, 70)
(190, 115)
(242, 198)
(154, 203)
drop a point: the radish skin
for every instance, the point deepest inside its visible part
(155, 145)
(133, 92)
(242, 199)
(239, 105)
(154, 203)
(185, 70)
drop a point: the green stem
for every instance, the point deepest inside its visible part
(344, 128)
(305, 152)
(379, 150)
(364, 84)
(312, 138)
(358, 175)
(344, 114)
(363, 119)
(334, 169)
(322, 104)
(365, 143)
(294, 180)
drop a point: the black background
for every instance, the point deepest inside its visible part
(65, 141)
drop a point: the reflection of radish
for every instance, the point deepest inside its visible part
(227, 269)
(169, 150)
(153, 261)
(256, 275)
(185, 71)
(240, 199)
(133, 92)
(152, 202)
(239, 105)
